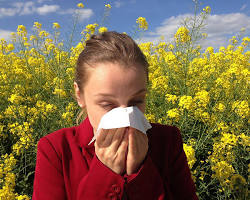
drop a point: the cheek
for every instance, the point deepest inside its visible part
(94, 118)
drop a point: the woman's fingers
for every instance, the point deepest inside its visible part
(111, 148)
(123, 147)
(102, 133)
(109, 137)
(105, 137)
(118, 136)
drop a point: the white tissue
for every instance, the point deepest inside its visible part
(123, 117)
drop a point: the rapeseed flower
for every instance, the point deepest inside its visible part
(207, 10)
(80, 5)
(186, 102)
(142, 23)
(182, 35)
(223, 171)
(108, 6)
(56, 25)
(102, 29)
(190, 153)
(37, 25)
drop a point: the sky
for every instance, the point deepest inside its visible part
(226, 19)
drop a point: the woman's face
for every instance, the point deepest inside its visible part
(111, 86)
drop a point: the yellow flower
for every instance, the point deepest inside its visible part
(173, 114)
(50, 107)
(43, 34)
(26, 44)
(23, 197)
(241, 108)
(33, 37)
(60, 92)
(108, 6)
(143, 24)
(182, 35)
(21, 30)
(209, 50)
(190, 153)
(186, 102)
(229, 139)
(204, 35)
(80, 5)
(207, 9)
(223, 171)
(15, 98)
(10, 47)
(171, 98)
(160, 83)
(102, 29)
(37, 25)
(56, 25)
(243, 140)
(13, 35)
(150, 118)
(245, 41)
(220, 107)
(202, 98)
(68, 115)
(171, 47)
(90, 28)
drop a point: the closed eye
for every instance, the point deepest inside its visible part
(110, 105)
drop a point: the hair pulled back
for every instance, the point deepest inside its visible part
(109, 47)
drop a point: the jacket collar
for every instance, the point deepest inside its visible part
(84, 133)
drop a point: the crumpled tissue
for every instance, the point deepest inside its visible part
(123, 117)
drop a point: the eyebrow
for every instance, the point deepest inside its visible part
(110, 95)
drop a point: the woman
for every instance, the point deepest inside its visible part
(122, 163)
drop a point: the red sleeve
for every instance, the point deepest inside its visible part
(48, 181)
(148, 184)
(99, 183)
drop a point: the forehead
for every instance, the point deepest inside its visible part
(110, 77)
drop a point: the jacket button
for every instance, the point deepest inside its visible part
(116, 188)
(112, 196)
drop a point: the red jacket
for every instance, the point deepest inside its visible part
(67, 168)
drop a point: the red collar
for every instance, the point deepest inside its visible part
(84, 134)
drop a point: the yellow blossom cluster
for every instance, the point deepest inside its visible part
(102, 29)
(89, 30)
(207, 96)
(142, 23)
(107, 6)
(190, 153)
(80, 5)
(182, 35)
(34, 82)
(56, 25)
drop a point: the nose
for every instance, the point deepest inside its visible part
(124, 106)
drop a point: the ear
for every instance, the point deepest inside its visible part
(78, 95)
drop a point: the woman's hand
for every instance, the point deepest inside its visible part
(137, 150)
(111, 148)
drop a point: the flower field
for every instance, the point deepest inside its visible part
(202, 92)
